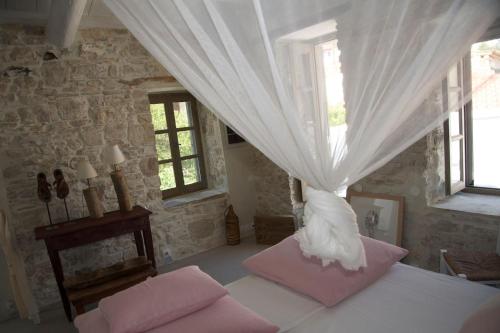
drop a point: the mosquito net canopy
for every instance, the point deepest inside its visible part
(329, 90)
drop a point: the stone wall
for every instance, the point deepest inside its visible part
(213, 149)
(418, 175)
(272, 187)
(58, 110)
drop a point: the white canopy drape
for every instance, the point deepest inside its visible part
(258, 64)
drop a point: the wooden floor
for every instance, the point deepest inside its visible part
(222, 263)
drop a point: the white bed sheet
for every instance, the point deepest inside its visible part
(405, 300)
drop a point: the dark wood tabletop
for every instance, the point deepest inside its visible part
(80, 224)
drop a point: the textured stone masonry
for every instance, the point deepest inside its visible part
(59, 111)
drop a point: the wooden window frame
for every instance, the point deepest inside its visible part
(454, 187)
(167, 99)
(467, 151)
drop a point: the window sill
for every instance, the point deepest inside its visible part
(192, 197)
(471, 203)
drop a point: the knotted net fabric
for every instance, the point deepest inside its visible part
(258, 65)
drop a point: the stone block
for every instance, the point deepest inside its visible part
(54, 74)
(23, 56)
(92, 136)
(149, 166)
(72, 108)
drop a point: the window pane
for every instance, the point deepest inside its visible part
(158, 115)
(455, 160)
(167, 177)
(183, 116)
(163, 147)
(454, 123)
(453, 77)
(191, 171)
(332, 78)
(485, 66)
(454, 90)
(187, 143)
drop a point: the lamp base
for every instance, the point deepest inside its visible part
(121, 189)
(93, 203)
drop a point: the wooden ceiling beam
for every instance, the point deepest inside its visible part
(63, 21)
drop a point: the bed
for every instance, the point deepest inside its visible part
(406, 299)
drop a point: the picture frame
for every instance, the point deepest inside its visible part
(379, 216)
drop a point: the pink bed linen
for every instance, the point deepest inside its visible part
(224, 316)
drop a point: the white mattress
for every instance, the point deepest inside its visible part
(406, 299)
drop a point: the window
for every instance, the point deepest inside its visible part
(178, 143)
(473, 131)
(330, 86)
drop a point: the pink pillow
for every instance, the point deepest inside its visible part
(159, 300)
(486, 319)
(224, 316)
(284, 263)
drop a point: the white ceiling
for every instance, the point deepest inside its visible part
(36, 12)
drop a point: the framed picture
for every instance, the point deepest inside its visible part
(380, 216)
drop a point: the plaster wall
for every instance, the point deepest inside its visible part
(241, 181)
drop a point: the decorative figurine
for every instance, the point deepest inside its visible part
(44, 193)
(62, 188)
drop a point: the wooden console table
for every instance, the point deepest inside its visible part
(87, 230)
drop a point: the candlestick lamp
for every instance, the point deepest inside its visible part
(87, 172)
(114, 157)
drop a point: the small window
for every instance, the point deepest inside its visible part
(178, 143)
(472, 130)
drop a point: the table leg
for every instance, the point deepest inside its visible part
(80, 308)
(148, 241)
(139, 244)
(58, 272)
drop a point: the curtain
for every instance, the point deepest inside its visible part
(263, 67)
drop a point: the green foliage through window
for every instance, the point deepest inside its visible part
(167, 178)
(191, 171)
(163, 147)
(178, 146)
(183, 116)
(158, 115)
(187, 145)
(336, 115)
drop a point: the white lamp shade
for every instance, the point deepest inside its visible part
(85, 170)
(114, 155)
